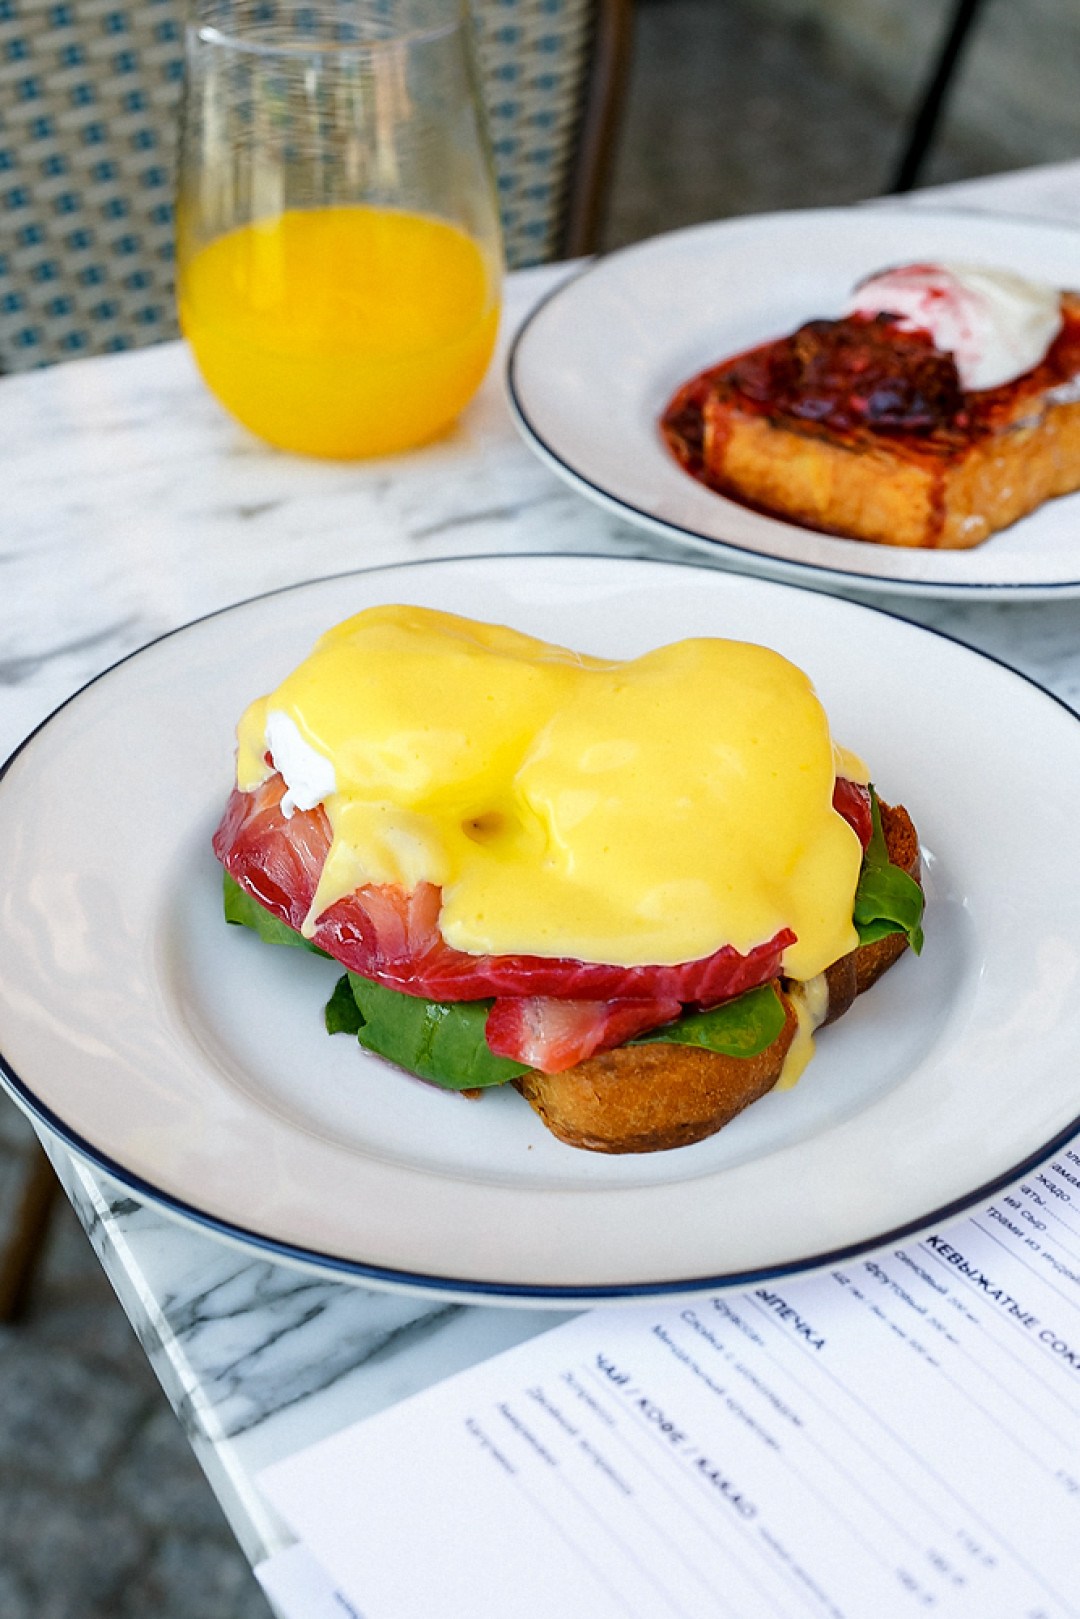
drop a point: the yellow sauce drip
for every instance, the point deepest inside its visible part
(811, 1005)
(625, 812)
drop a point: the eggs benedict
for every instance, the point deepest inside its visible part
(580, 875)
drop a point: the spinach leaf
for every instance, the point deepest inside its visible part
(740, 1028)
(243, 911)
(442, 1041)
(342, 1014)
(887, 900)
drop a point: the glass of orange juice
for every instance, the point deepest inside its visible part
(338, 249)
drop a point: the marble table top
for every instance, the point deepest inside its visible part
(132, 505)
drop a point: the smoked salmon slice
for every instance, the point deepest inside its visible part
(385, 933)
(549, 1012)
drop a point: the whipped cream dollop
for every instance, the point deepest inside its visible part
(996, 325)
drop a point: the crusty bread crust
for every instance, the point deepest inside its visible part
(652, 1097)
(648, 1098)
(853, 974)
(893, 489)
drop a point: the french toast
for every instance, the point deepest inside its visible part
(861, 429)
(649, 1098)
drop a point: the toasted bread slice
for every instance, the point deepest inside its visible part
(651, 1097)
(1010, 449)
(648, 1098)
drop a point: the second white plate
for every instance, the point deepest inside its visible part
(594, 366)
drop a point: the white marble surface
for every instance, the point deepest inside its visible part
(132, 505)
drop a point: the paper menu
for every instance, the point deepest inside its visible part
(300, 1588)
(898, 1437)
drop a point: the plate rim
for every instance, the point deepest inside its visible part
(461, 1288)
(786, 570)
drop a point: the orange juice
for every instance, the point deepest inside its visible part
(344, 331)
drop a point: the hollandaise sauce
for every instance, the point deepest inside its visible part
(349, 331)
(625, 812)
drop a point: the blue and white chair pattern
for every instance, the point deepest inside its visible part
(88, 98)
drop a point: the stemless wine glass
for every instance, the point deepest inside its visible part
(338, 247)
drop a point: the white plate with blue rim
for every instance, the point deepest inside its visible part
(594, 365)
(189, 1060)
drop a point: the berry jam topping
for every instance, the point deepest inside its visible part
(856, 372)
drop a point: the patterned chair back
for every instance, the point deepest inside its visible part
(88, 98)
